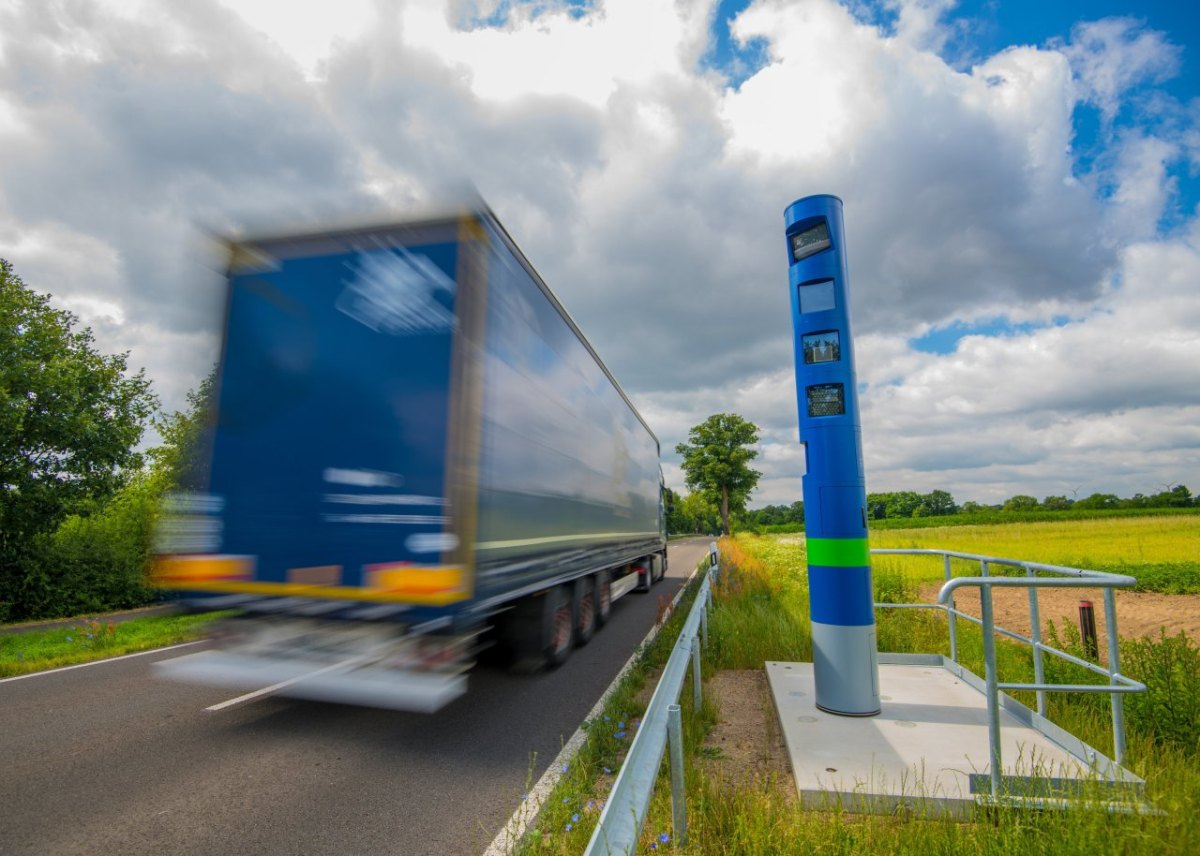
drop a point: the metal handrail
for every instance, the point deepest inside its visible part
(1068, 577)
(624, 812)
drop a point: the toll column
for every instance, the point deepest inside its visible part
(845, 660)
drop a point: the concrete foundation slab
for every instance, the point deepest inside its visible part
(919, 754)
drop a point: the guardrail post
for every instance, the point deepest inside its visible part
(993, 691)
(704, 618)
(696, 674)
(678, 792)
(1114, 668)
(953, 627)
(1035, 621)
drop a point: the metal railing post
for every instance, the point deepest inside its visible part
(992, 678)
(704, 620)
(678, 792)
(695, 674)
(950, 615)
(1114, 669)
(1035, 621)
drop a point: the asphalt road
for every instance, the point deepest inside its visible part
(107, 759)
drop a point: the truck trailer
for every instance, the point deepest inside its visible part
(413, 452)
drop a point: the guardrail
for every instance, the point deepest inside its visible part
(1067, 577)
(624, 812)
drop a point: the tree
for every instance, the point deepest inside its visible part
(1021, 502)
(70, 418)
(181, 461)
(1098, 500)
(716, 461)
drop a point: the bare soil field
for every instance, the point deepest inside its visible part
(1138, 613)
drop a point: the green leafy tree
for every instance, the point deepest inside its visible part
(1021, 502)
(716, 461)
(1098, 500)
(70, 418)
(182, 459)
(1056, 503)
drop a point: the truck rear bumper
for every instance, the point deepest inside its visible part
(425, 692)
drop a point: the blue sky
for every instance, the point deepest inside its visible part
(1020, 187)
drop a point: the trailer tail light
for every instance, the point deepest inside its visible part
(435, 585)
(179, 571)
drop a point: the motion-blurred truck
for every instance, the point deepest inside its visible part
(413, 449)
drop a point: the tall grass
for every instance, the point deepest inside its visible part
(763, 816)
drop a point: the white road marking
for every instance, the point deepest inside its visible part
(274, 687)
(99, 662)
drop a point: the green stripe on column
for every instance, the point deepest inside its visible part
(839, 552)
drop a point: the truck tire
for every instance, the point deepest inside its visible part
(658, 567)
(584, 609)
(603, 597)
(645, 578)
(538, 631)
(558, 625)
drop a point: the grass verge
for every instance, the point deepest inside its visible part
(90, 639)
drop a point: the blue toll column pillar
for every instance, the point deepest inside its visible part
(845, 661)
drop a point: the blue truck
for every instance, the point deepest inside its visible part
(414, 453)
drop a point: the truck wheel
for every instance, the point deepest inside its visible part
(559, 626)
(538, 631)
(603, 597)
(584, 603)
(645, 579)
(658, 567)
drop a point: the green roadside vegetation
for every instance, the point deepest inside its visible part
(88, 639)
(760, 613)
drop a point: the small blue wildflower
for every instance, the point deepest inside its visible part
(566, 800)
(575, 818)
(591, 804)
(606, 719)
(565, 767)
(607, 770)
(620, 735)
(620, 725)
(653, 845)
(568, 827)
(664, 838)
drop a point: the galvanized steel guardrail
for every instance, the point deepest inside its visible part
(624, 812)
(1066, 577)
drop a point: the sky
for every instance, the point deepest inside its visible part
(1020, 181)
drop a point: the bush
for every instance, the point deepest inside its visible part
(91, 563)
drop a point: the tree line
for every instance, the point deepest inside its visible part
(716, 462)
(940, 503)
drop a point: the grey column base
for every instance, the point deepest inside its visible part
(846, 669)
